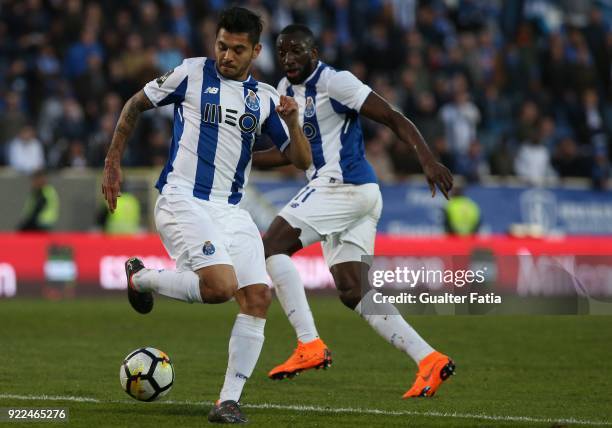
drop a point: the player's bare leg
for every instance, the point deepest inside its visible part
(216, 284)
(244, 348)
(434, 367)
(280, 242)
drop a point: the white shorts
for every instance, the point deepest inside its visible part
(342, 216)
(198, 233)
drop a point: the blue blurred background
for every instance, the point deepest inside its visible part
(509, 95)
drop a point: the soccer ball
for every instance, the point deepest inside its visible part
(146, 374)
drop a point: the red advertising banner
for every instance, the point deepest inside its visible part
(94, 262)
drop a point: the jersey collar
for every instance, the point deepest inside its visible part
(314, 72)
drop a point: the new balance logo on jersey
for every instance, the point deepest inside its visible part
(211, 90)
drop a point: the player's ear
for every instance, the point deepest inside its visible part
(314, 54)
(256, 51)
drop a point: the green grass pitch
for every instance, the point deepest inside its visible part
(511, 370)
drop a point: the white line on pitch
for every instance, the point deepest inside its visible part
(301, 408)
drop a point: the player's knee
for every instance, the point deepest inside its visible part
(261, 299)
(349, 291)
(269, 247)
(288, 243)
(257, 301)
(219, 290)
(347, 279)
(350, 297)
(272, 247)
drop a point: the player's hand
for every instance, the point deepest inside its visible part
(111, 183)
(438, 176)
(287, 109)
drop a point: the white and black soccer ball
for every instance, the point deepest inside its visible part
(146, 374)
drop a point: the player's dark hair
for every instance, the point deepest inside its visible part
(300, 29)
(240, 20)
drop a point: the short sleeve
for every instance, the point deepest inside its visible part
(347, 90)
(275, 128)
(169, 88)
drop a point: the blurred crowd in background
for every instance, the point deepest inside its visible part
(507, 88)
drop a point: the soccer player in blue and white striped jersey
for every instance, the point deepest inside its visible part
(220, 111)
(340, 207)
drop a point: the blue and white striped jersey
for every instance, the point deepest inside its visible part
(216, 123)
(329, 103)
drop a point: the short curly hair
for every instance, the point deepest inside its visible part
(240, 20)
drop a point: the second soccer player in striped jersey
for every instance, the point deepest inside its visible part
(340, 207)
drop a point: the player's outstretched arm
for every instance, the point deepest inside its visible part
(111, 178)
(376, 108)
(270, 158)
(298, 152)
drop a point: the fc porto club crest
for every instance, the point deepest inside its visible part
(252, 100)
(208, 249)
(309, 110)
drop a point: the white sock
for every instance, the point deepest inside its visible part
(244, 348)
(292, 297)
(393, 328)
(183, 286)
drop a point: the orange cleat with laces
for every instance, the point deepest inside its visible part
(433, 370)
(310, 355)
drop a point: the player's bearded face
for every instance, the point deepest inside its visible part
(297, 58)
(235, 53)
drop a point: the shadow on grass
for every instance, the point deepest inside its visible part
(153, 410)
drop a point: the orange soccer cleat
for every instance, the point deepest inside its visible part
(433, 370)
(310, 355)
